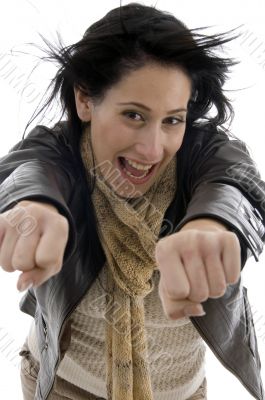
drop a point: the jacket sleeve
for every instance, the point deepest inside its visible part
(37, 168)
(224, 183)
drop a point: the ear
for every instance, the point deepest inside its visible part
(83, 105)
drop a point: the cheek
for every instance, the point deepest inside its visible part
(103, 138)
(176, 143)
(180, 141)
(110, 142)
(118, 139)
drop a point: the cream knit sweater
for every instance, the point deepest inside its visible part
(176, 350)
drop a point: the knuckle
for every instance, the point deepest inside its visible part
(222, 286)
(57, 267)
(233, 279)
(44, 262)
(177, 293)
(60, 222)
(16, 260)
(7, 267)
(199, 296)
(203, 236)
(25, 207)
(232, 237)
(6, 226)
(26, 225)
(160, 250)
(65, 224)
(19, 221)
(233, 274)
(43, 212)
(19, 260)
(5, 262)
(218, 292)
(187, 253)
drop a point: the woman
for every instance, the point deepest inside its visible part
(141, 212)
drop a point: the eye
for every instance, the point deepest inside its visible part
(175, 120)
(135, 116)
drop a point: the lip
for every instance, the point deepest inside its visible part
(141, 162)
(136, 181)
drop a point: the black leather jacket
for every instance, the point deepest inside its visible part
(216, 178)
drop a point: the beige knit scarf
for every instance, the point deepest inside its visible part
(128, 231)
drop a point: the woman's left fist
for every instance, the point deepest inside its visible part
(196, 263)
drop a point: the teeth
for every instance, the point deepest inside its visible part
(138, 166)
(133, 176)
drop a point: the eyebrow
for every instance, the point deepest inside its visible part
(148, 109)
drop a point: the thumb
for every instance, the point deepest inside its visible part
(175, 309)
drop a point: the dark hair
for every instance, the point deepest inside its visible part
(127, 38)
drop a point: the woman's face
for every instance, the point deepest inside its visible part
(138, 127)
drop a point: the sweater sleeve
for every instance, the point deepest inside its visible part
(37, 168)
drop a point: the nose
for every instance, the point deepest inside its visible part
(150, 144)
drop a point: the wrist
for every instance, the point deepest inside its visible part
(206, 224)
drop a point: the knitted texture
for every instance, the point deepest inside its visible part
(128, 233)
(175, 348)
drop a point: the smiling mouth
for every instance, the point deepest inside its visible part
(135, 172)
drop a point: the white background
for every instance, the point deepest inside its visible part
(20, 20)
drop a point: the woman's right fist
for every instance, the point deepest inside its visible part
(33, 238)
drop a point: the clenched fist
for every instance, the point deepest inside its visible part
(196, 263)
(33, 238)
